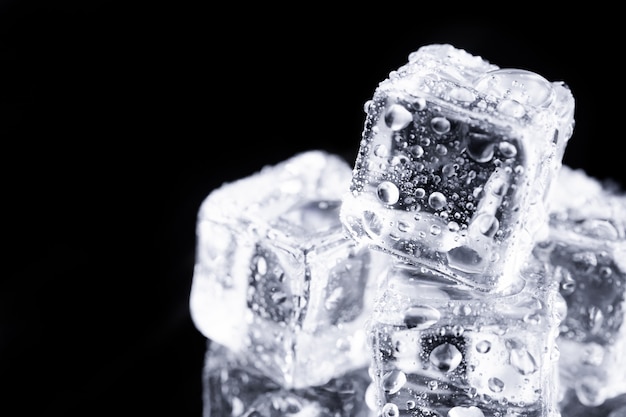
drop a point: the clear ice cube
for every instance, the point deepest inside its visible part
(456, 158)
(443, 349)
(233, 387)
(276, 278)
(586, 254)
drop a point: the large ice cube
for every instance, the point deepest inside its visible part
(586, 253)
(277, 280)
(454, 164)
(443, 349)
(234, 388)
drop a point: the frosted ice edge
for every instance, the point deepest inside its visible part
(455, 162)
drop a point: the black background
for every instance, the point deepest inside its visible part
(118, 118)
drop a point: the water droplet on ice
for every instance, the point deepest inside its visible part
(437, 200)
(483, 346)
(462, 94)
(421, 317)
(523, 361)
(507, 149)
(440, 125)
(393, 381)
(381, 151)
(388, 192)
(398, 117)
(495, 384)
(465, 259)
(390, 410)
(445, 357)
(486, 224)
(480, 147)
(471, 411)
(511, 108)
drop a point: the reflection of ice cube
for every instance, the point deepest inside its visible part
(234, 388)
(586, 252)
(444, 349)
(456, 159)
(276, 279)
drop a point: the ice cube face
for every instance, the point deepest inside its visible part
(277, 280)
(234, 388)
(455, 162)
(443, 349)
(586, 255)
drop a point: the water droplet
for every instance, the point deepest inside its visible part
(448, 170)
(420, 193)
(462, 94)
(390, 410)
(393, 381)
(453, 226)
(511, 108)
(480, 147)
(465, 259)
(445, 357)
(261, 265)
(435, 230)
(523, 86)
(381, 151)
(471, 411)
(372, 222)
(388, 192)
(486, 224)
(495, 384)
(397, 117)
(437, 200)
(523, 361)
(440, 125)
(421, 317)
(507, 149)
(483, 346)
(441, 149)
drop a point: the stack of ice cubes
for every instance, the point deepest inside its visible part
(458, 269)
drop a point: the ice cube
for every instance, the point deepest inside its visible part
(586, 253)
(233, 387)
(277, 280)
(456, 158)
(444, 349)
